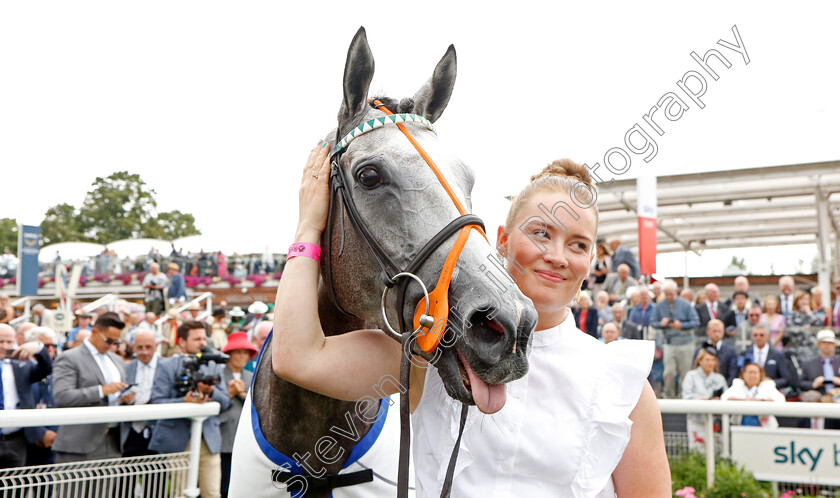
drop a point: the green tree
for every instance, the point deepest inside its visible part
(171, 225)
(61, 224)
(8, 235)
(738, 263)
(120, 206)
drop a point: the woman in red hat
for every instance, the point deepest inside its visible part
(238, 382)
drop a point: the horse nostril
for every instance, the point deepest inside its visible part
(485, 329)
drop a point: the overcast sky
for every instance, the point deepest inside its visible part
(216, 104)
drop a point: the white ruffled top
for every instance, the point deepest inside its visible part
(562, 431)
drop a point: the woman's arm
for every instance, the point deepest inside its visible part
(643, 469)
(347, 366)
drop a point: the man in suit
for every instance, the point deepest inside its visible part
(173, 435)
(135, 436)
(713, 309)
(742, 284)
(238, 382)
(770, 359)
(90, 375)
(623, 255)
(626, 328)
(40, 451)
(616, 284)
(725, 353)
(822, 374)
(18, 375)
(736, 316)
(786, 289)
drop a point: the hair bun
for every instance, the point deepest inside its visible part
(565, 168)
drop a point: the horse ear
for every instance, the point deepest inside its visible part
(358, 72)
(433, 97)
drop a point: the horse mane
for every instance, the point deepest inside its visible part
(405, 105)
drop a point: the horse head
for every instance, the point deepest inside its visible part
(402, 205)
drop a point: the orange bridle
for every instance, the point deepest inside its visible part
(431, 328)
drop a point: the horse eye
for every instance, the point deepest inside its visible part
(369, 177)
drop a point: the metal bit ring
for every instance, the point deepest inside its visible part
(425, 319)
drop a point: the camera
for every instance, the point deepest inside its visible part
(188, 378)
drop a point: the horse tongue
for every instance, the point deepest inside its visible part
(488, 398)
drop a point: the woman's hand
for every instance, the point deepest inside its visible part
(314, 194)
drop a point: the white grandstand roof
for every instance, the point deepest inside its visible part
(767, 206)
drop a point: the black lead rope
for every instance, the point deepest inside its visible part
(405, 431)
(450, 471)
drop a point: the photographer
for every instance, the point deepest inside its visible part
(171, 377)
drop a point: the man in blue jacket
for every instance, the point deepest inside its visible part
(173, 435)
(177, 290)
(675, 318)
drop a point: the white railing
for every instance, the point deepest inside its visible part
(710, 408)
(208, 308)
(197, 412)
(102, 301)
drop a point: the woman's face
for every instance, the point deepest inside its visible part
(804, 303)
(602, 299)
(554, 260)
(751, 376)
(239, 358)
(708, 363)
(770, 306)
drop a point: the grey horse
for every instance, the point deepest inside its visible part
(403, 206)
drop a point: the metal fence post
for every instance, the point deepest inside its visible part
(710, 451)
(192, 490)
(724, 437)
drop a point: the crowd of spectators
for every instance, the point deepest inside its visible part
(122, 357)
(739, 346)
(776, 347)
(203, 267)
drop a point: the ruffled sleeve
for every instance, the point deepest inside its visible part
(616, 391)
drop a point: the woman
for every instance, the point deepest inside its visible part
(822, 313)
(606, 436)
(238, 382)
(752, 385)
(802, 314)
(775, 320)
(602, 304)
(586, 317)
(601, 266)
(704, 382)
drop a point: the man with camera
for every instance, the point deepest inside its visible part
(191, 378)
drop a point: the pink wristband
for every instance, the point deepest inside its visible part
(304, 249)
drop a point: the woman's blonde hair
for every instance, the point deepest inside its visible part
(702, 354)
(767, 300)
(562, 175)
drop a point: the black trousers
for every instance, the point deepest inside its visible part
(226, 461)
(136, 444)
(12, 450)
